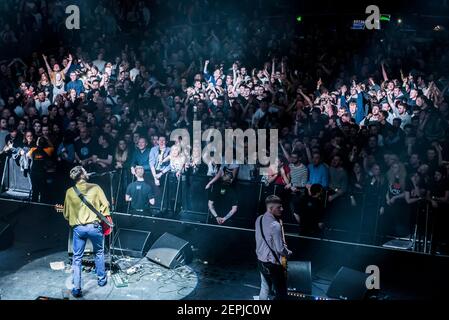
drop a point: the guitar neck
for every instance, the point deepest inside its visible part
(282, 230)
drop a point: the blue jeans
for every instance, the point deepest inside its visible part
(94, 233)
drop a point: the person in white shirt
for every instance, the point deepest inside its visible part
(42, 103)
(99, 63)
(271, 248)
(134, 71)
(260, 113)
(400, 111)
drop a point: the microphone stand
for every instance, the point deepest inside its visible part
(129, 202)
(112, 210)
(111, 175)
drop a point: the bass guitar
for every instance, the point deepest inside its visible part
(284, 261)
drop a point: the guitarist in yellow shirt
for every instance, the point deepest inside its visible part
(86, 224)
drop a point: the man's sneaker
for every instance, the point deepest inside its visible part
(103, 283)
(77, 293)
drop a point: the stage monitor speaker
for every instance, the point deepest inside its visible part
(299, 277)
(14, 183)
(6, 236)
(348, 284)
(89, 249)
(170, 251)
(130, 242)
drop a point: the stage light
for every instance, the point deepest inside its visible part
(399, 21)
(299, 18)
(385, 17)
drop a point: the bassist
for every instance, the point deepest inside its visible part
(271, 250)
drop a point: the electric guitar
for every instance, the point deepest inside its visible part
(284, 261)
(105, 225)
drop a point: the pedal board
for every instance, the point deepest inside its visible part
(119, 282)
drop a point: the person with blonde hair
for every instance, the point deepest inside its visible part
(396, 218)
(177, 158)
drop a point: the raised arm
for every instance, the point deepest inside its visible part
(66, 69)
(384, 72)
(286, 154)
(306, 98)
(217, 176)
(206, 64)
(360, 113)
(47, 65)
(234, 73)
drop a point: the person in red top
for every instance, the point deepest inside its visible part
(279, 173)
(278, 180)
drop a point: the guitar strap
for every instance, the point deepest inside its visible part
(91, 207)
(266, 242)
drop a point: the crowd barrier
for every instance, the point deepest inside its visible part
(185, 198)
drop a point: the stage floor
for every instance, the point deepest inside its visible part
(41, 238)
(198, 280)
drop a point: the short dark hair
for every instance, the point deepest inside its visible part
(273, 199)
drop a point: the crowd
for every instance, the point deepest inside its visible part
(363, 128)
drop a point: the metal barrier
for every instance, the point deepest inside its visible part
(186, 199)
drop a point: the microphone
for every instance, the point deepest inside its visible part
(92, 174)
(97, 174)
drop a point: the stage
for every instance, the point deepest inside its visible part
(222, 268)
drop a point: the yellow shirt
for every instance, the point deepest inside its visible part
(76, 212)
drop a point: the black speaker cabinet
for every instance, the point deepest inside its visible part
(6, 235)
(348, 284)
(299, 277)
(170, 251)
(130, 242)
